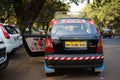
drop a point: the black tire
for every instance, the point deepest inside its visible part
(94, 72)
(11, 53)
(49, 74)
(52, 73)
(110, 37)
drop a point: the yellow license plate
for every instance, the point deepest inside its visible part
(107, 33)
(75, 44)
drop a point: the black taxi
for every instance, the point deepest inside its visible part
(73, 43)
(69, 43)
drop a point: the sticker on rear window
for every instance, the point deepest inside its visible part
(72, 21)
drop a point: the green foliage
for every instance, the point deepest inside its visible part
(6, 10)
(106, 13)
(25, 10)
(79, 1)
(4, 6)
(50, 7)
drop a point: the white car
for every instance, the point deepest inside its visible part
(3, 56)
(10, 36)
(18, 31)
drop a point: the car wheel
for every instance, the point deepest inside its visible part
(53, 73)
(49, 74)
(11, 53)
(94, 72)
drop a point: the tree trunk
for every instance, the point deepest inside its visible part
(2, 20)
(28, 13)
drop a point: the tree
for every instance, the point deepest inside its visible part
(105, 13)
(50, 7)
(26, 10)
(5, 10)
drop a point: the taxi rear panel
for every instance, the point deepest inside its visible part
(75, 45)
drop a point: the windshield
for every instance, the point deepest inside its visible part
(73, 29)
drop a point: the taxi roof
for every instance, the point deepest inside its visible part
(68, 14)
(73, 18)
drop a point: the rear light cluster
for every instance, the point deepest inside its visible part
(100, 46)
(49, 45)
(91, 22)
(6, 35)
(53, 22)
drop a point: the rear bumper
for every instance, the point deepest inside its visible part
(11, 47)
(74, 61)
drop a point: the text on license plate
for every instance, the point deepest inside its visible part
(75, 44)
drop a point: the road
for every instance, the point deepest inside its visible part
(22, 67)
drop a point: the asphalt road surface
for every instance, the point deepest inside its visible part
(23, 67)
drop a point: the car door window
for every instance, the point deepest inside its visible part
(10, 29)
(14, 29)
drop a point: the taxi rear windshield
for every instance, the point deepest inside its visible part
(73, 29)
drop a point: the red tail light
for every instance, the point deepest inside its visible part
(91, 22)
(54, 22)
(5, 33)
(100, 46)
(49, 45)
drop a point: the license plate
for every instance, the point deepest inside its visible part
(16, 38)
(75, 44)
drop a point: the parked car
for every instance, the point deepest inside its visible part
(107, 33)
(3, 55)
(18, 31)
(10, 36)
(70, 43)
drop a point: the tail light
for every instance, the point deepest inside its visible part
(100, 46)
(5, 33)
(53, 22)
(49, 45)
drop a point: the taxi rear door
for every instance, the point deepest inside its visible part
(34, 41)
